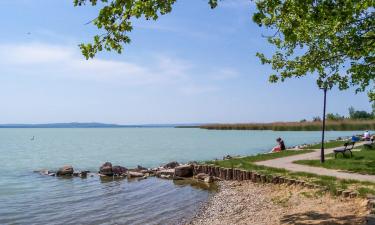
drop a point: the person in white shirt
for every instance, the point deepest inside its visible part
(367, 136)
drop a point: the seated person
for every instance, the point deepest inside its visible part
(367, 136)
(280, 145)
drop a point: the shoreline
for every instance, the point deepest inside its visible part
(254, 203)
(245, 202)
(213, 203)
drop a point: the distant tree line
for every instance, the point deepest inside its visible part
(353, 115)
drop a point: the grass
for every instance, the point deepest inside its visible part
(329, 144)
(297, 126)
(282, 200)
(332, 183)
(363, 162)
(248, 161)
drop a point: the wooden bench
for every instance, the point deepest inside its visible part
(348, 146)
(368, 144)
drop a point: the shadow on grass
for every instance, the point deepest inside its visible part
(312, 217)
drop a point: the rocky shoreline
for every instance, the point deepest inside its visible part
(172, 170)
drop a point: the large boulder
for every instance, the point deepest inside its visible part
(183, 171)
(66, 170)
(171, 165)
(106, 169)
(119, 170)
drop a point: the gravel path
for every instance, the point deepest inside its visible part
(240, 203)
(287, 163)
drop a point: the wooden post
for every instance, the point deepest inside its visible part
(263, 178)
(230, 174)
(238, 174)
(221, 173)
(217, 170)
(255, 175)
(227, 174)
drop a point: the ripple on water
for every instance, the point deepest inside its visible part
(40, 199)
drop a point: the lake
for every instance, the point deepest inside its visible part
(29, 198)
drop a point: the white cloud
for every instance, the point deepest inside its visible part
(62, 62)
(67, 62)
(23, 55)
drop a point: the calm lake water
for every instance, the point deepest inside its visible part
(29, 198)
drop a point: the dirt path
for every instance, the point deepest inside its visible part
(245, 203)
(287, 163)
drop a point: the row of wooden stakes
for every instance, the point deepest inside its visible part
(240, 175)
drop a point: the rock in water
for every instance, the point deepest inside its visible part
(208, 179)
(132, 174)
(192, 163)
(171, 165)
(140, 168)
(183, 171)
(84, 173)
(165, 173)
(106, 169)
(66, 170)
(43, 171)
(119, 170)
(201, 176)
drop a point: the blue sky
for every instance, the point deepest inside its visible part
(193, 65)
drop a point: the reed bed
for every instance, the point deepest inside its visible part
(343, 125)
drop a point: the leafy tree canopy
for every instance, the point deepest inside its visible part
(360, 114)
(334, 39)
(334, 117)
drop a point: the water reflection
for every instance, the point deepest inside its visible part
(211, 187)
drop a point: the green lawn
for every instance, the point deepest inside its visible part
(363, 162)
(267, 156)
(330, 144)
(247, 163)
